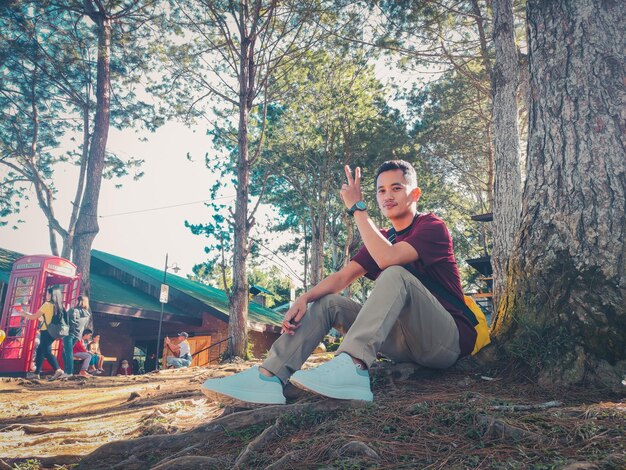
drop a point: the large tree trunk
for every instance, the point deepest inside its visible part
(87, 223)
(564, 309)
(508, 181)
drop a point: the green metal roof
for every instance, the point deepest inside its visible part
(109, 290)
(254, 290)
(208, 295)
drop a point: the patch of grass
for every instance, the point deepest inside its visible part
(246, 434)
(30, 464)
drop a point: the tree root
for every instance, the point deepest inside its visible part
(288, 461)
(259, 443)
(499, 429)
(181, 453)
(29, 429)
(46, 462)
(540, 406)
(191, 462)
(144, 447)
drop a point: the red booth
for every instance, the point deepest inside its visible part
(30, 277)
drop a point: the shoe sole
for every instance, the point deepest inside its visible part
(331, 392)
(232, 401)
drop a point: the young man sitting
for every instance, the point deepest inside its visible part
(401, 319)
(80, 352)
(181, 350)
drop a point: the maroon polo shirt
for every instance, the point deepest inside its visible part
(429, 236)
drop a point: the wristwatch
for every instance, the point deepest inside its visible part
(358, 206)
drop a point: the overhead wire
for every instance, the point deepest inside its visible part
(166, 207)
(276, 257)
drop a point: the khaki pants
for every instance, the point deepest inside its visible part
(401, 320)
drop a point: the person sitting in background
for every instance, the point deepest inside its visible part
(181, 350)
(80, 352)
(97, 359)
(124, 368)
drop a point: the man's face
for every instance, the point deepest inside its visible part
(181, 338)
(395, 197)
(87, 337)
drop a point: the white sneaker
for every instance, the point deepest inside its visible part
(338, 378)
(32, 376)
(57, 374)
(249, 387)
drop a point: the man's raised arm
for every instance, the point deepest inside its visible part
(384, 253)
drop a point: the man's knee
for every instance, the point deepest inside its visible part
(323, 304)
(392, 274)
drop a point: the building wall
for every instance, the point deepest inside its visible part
(117, 341)
(262, 342)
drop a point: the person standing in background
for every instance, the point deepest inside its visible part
(78, 319)
(52, 306)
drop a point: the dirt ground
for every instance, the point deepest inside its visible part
(455, 419)
(40, 419)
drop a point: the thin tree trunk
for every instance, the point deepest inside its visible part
(346, 249)
(68, 242)
(87, 223)
(238, 321)
(564, 309)
(317, 245)
(508, 181)
(305, 278)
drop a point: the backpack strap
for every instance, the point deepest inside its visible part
(436, 287)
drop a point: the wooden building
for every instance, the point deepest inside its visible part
(126, 310)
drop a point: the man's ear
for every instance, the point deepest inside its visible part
(415, 194)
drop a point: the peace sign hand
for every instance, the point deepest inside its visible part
(351, 192)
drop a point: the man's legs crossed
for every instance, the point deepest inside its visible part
(404, 321)
(400, 319)
(286, 355)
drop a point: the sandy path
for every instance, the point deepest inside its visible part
(43, 419)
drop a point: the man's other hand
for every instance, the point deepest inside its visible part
(291, 322)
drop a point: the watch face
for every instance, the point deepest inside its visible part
(360, 206)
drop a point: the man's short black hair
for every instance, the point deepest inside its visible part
(407, 170)
(87, 331)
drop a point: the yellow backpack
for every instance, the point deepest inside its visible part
(481, 327)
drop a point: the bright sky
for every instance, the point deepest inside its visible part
(170, 179)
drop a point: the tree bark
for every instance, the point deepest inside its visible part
(68, 241)
(238, 321)
(318, 235)
(508, 180)
(87, 223)
(564, 309)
